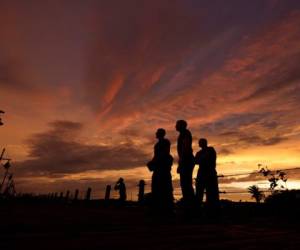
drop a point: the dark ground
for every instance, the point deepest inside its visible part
(49, 225)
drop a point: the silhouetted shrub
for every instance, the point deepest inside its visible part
(285, 202)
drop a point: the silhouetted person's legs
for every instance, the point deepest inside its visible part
(212, 194)
(155, 188)
(186, 183)
(200, 187)
(166, 193)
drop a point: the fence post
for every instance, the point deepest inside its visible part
(88, 194)
(107, 192)
(141, 191)
(76, 195)
(67, 195)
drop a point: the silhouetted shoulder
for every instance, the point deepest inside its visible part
(167, 142)
(212, 151)
(187, 134)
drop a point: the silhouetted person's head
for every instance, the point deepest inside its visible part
(142, 183)
(160, 133)
(181, 125)
(203, 143)
(121, 180)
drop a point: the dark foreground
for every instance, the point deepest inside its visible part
(36, 225)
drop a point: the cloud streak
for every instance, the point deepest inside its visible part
(60, 152)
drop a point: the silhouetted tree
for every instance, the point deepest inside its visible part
(274, 177)
(256, 193)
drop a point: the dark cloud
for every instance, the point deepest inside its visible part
(60, 152)
(6, 74)
(257, 140)
(270, 124)
(228, 125)
(244, 130)
(224, 151)
(13, 75)
(281, 77)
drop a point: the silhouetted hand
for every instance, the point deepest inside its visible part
(151, 165)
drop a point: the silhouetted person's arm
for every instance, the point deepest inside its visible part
(197, 158)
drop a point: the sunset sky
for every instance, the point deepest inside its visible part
(86, 83)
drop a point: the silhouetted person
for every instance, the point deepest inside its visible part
(186, 161)
(120, 185)
(160, 165)
(207, 179)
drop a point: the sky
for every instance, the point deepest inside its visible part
(85, 85)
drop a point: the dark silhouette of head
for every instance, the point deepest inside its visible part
(181, 125)
(142, 183)
(203, 143)
(160, 133)
(120, 180)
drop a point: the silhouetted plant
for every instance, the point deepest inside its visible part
(256, 193)
(274, 178)
(286, 202)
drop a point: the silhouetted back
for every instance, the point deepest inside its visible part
(184, 145)
(206, 158)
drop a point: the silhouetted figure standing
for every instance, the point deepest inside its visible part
(186, 161)
(120, 185)
(207, 179)
(161, 164)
